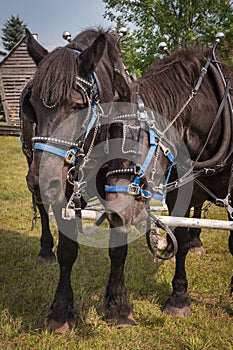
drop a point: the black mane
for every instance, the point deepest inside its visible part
(169, 82)
(57, 72)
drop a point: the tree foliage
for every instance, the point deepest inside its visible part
(177, 22)
(13, 30)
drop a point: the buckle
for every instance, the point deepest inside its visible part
(70, 156)
(165, 149)
(133, 190)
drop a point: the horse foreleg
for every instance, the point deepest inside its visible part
(178, 303)
(46, 253)
(61, 317)
(195, 243)
(230, 245)
(118, 310)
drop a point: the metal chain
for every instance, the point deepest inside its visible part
(54, 140)
(124, 139)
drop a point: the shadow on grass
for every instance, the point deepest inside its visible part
(27, 287)
(211, 304)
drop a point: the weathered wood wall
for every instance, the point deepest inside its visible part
(15, 70)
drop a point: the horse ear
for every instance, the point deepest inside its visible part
(90, 58)
(122, 87)
(35, 50)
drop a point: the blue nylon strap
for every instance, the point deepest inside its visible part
(116, 189)
(54, 150)
(159, 197)
(170, 156)
(153, 146)
(127, 189)
(77, 51)
(92, 121)
(51, 149)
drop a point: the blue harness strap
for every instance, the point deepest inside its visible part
(130, 189)
(76, 51)
(93, 119)
(69, 156)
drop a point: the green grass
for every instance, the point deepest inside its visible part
(27, 288)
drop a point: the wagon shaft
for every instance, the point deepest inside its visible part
(196, 223)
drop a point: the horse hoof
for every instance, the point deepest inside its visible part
(198, 250)
(58, 327)
(123, 322)
(177, 312)
(49, 259)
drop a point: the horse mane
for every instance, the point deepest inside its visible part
(57, 72)
(169, 82)
(56, 76)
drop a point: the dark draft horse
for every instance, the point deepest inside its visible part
(62, 73)
(64, 84)
(204, 127)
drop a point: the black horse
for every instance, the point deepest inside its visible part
(70, 80)
(187, 105)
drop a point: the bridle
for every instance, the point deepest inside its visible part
(138, 187)
(90, 91)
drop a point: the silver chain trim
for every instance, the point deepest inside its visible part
(54, 140)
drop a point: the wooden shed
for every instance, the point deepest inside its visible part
(15, 70)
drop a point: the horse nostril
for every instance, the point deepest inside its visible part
(54, 185)
(115, 220)
(51, 191)
(54, 189)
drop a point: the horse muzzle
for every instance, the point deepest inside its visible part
(123, 210)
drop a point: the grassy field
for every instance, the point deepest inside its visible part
(27, 288)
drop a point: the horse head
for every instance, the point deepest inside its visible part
(69, 82)
(143, 162)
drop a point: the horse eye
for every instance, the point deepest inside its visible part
(79, 106)
(79, 99)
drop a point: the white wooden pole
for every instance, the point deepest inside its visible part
(196, 223)
(176, 221)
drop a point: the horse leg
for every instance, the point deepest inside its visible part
(195, 243)
(230, 245)
(118, 310)
(178, 303)
(61, 317)
(46, 253)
